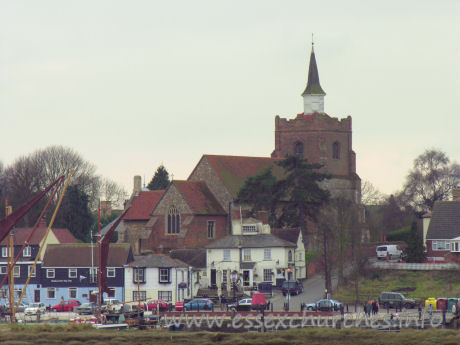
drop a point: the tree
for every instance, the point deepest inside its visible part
(74, 213)
(371, 195)
(432, 178)
(415, 250)
(160, 179)
(113, 192)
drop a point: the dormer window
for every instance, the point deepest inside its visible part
(173, 220)
(27, 252)
(298, 149)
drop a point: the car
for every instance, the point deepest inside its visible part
(112, 304)
(293, 287)
(199, 304)
(322, 305)
(244, 304)
(153, 304)
(86, 308)
(35, 308)
(396, 299)
(179, 306)
(19, 309)
(65, 306)
(390, 250)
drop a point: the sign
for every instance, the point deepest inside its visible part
(182, 285)
(234, 276)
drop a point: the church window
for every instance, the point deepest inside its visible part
(298, 149)
(336, 150)
(173, 221)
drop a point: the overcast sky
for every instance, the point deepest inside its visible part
(133, 84)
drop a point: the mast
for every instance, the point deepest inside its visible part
(99, 271)
(10, 249)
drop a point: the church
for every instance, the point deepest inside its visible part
(198, 211)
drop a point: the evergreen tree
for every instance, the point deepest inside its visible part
(160, 179)
(415, 251)
(74, 213)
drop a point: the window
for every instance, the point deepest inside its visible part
(27, 251)
(173, 221)
(93, 274)
(249, 228)
(72, 273)
(111, 292)
(17, 271)
(298, 149)
(111, 272)
(4, 293)
(30, 272)
(5, 252)
(441, 245)
(3, 270)
(268, 275)
(72, 293)
(246, 254)
(138, 275)
(165, 295)
(336, 150)
(50, 273)
(224, 277)
(164, 275)
(139, 295)
(227, 255)
(51, 293)
(211, 224)
(267, 253)
(290, 256)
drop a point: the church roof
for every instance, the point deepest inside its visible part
(313, 85)
(199, 198)
(143, 204)
(234, 170)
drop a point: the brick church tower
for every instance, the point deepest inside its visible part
(316, 136)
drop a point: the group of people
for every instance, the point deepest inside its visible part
(372, 307)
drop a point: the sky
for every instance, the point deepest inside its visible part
(131, 85)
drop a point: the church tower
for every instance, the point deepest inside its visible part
(313, 96)
(320, 138)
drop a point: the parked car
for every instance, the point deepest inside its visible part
(66, 305)
(242, 305)
(111, 304)
(322, 305)
(86, 308)
(294, 287)
(199, 304)
(390, 250)
(34, 308)
(153, 304)
(19, 309)
(395, 299)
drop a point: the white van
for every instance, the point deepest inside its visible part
(392, 250)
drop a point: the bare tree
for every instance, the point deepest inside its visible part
(432, 178)
(370, 195)
(113, 192)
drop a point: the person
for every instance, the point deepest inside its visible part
(374, 307)
(419, 312)
(391, 319)
(430, 310)
(454, 309)
(368, 309)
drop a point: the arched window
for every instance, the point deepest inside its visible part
(336, 150)
(298, 149)
(290, 256)
(173, 220)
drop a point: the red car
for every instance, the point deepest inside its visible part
(179, 306)
(154, 303)
(65, 306)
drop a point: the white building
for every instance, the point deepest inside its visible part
(157, 276)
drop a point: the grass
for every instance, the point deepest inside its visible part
(414, 284)
(76, 335)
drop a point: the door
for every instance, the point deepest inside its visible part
(36, 296)
(213, 278)
(92, 296)
(246, 278)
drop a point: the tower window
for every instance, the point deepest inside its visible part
(173, 221)
(298, 149)
(336, 150)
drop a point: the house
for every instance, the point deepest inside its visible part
(187, 216)
(195, 258)
(157, 276)
(294, 235)
(443, 235)
(253, 255)
(24, 265)
(70, 271)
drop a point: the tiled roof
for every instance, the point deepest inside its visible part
(79, 255)
(21, 234)
(445, 220)
(290, 235)
(157, 260)
(195, 257)
(143, 204)
(199, 197)
(250, 241)
(234, 170)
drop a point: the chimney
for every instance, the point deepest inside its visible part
(137, 185)
(456, 193)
